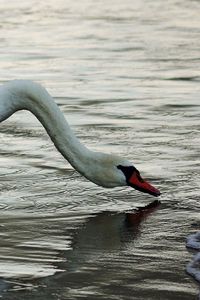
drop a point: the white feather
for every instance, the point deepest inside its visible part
(99, 168)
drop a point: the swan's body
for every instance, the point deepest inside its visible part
(103, 169)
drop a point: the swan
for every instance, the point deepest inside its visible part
(105, 170)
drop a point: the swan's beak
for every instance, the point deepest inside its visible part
(140, 184)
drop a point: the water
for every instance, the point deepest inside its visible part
(126, 75)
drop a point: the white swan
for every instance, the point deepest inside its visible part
(103, 169)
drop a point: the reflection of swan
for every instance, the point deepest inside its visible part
(103, 169)
(100, 237)
(103, 234)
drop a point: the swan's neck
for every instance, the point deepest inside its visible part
(30, 96)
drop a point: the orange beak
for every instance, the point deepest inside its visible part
(140, 184)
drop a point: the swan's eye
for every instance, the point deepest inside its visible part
(128, 171)
(139, 177)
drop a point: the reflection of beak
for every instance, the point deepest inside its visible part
(136, 217)
(141, 185)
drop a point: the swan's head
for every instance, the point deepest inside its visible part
(134, 179)
(112, 171)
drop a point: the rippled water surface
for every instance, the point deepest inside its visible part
(126, 75)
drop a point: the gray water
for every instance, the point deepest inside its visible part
(126, 75)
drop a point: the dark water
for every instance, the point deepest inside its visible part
(126, 75)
